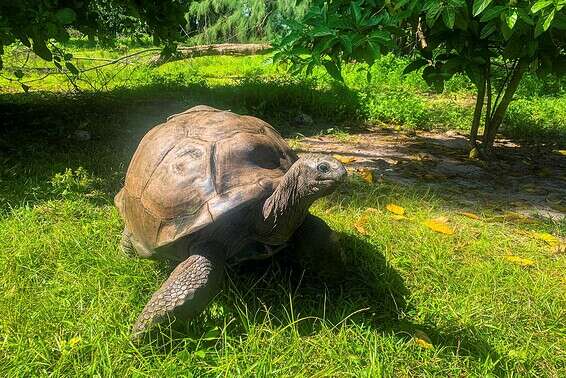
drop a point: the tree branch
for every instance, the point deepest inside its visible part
(235, 49)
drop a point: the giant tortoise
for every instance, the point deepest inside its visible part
(207, 188)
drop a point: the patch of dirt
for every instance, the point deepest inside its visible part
(526, 180)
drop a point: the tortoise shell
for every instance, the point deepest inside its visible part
(197, 167)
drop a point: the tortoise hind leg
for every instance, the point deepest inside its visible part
(126, 243)
(188, 290)
(131, 247)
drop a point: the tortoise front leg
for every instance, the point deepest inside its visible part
(188, 290)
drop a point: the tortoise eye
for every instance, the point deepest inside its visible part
(323, 167)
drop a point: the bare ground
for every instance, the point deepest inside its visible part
(526, 180)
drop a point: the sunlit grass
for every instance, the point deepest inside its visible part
(68, 296)
(390, 96)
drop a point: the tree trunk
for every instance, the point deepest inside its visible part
(488, 92)
(235, 49)
(477, 113)
(495, 121)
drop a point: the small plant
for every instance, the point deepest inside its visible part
(73, 182)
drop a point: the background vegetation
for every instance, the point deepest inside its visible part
(484, 297)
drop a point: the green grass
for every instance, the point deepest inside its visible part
(390, 97)
(68, 296)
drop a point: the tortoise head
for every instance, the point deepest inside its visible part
(309, 178)
(317, 175)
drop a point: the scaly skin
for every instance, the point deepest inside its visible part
(187, 291)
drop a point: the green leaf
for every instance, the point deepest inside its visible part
(525, 17)
(65, 16)
(539, 5)
(357, 12)
(347, 43)
(492, 13)
(333, 70)
(71, 67)
(487, 30)
(479, 6)
(41, 50)
(448, 16)
(511, 19)
(321, 31)
(506, 31)
(432, 15)
(548, 21)
(68, 56)
(415, 65)
(19, 74)
(374, 51)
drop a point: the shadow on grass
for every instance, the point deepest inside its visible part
(278, 293)
(37, 142)
(40, 133)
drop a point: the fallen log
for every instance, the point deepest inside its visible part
(234, 49)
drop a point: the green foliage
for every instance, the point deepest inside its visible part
(488, 41)
(73, 182)
(38, 23)
(220, 21)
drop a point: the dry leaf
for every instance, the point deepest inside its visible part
(439, 225)
(471, 215)
(560, 248)
(359, 226)
(344, 159)
(74, 341)
(363, 219)
(395, 209)
(551, 240)
(519, 260)
(366, 175)
(473, 153)
(511, 216)
(398, 217)
(422, 340)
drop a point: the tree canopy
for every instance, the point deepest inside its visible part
(493, 42)
(39, 23)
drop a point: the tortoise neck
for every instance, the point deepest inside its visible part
(286, 208)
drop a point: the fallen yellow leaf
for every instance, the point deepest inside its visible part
(470, 215)
(359, 226)
(398, 217)
(344, 159)
(548, 238)
(438, 225)
(366, 175)
(562, 152)
(422, 340)
(363, 219)
(560, 248)
(511, 216)
(473, 153)
(74, 341)
(395, 209)
(519, 260)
